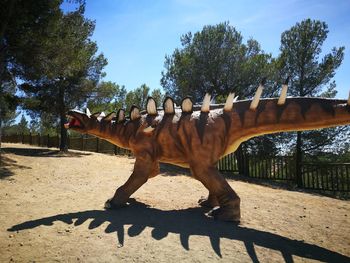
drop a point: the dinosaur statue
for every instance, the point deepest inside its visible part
(197, 137)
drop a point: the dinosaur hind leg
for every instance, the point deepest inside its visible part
(217, 185)
(144, 168)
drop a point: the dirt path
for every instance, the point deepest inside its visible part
(52, 210)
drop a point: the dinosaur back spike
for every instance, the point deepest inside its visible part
(168, 106)
(88, 113)
(206, 103)
(134, 113)
(120, 115)
(229, 102)
(151, 106)
(283, 96)
(110, 116)
(101, 116)
(187, 105)
(256, 99)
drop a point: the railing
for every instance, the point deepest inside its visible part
(327, 176)
(334, 177)
(275, 168)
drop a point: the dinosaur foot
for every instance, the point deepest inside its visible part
(208, 202)
(229, 212)
(111, 205)
(225, 214)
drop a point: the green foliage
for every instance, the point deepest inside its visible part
(19, 128)
(137, 97)
(20, 21)
(215, 60)
(301, 47)
(108, 96)
(158, 96)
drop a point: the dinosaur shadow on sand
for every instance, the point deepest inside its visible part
(187, 222)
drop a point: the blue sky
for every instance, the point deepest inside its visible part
(135, 35)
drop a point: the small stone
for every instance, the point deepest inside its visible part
(10, 236)
(21, 244)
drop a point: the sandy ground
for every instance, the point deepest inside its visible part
(52, 211)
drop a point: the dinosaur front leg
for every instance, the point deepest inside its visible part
(144, 168)
(217, 185)
(211, 201)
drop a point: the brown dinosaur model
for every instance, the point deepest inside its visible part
(199, 138)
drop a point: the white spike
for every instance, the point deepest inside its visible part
(235, 99)
(169, 106)
(148, 129)
(135, 114)
(187, 105)
(206, 103)
(283, 96)
(349, 99)
(255, 101)
(121, 115)
(229, 102)
(151, 106)
(102, 115)
(88, 113)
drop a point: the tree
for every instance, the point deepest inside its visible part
(66, 69)
(301, 47)
(108, 96)
(215, 60)
(19, 19)
(137, 97)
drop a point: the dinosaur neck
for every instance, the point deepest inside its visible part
(116, 133)
(296, 114)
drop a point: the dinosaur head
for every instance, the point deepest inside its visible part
(78, 121)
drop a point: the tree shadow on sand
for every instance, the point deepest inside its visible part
(187, 222)
(42, 152)
(8, 165)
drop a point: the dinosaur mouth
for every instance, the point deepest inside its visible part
(73, 123)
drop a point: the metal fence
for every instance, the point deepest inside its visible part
(334, 177)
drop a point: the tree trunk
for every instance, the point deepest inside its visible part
(242, 163)
(0, 134)
(63, 143)
(62, 109)
(298, 160)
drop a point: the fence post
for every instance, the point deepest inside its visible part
(82, 142)
(97, 144)
(48, 140)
